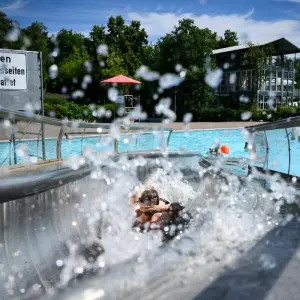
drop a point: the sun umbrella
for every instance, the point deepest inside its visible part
(121, 79)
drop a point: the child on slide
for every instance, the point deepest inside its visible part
(149, 208)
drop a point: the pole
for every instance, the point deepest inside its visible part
(42, 106)
(175, 103)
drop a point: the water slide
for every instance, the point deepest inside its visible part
(54, 218)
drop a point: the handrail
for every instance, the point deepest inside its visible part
(281, 124)
(16, 116)
(21, 116)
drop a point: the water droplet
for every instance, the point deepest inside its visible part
(178, 68)
(126, 141)
(22, 291)
(101, 264)
(169, 80)
(294, 179)
(232, 78)
(6, 123)
(78, 270)
(88, 66)
(102, 50)
(182, 73)
(145, 73)
(214, 78)
(112, 94)
(87, 79)
(155, 96)
(55, 52)
(246, 115)
(187, 118)
(64, 90)
(99, 129)
(267, 261)
(103, 206)
(53, 71)
(13, 34)
(59, 263)
(74, 223)
(77, 94)
(226, 66)
(36, 286)
(244, 99)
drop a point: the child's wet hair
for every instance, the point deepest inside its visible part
(149, 197)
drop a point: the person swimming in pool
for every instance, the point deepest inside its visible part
(215, 149)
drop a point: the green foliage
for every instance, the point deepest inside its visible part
(6, 25)
(73, 66)
(67, 41)
(230, 39)
(57, 106)
(115, 65)
(212, 114)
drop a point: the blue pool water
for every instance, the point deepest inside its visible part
(196, 140)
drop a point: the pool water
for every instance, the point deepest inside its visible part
(194, 140)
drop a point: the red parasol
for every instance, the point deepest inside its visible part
(121, 79)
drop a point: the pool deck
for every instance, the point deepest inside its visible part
(206, 125)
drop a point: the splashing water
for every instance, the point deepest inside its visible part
(53, 71)
(145, 73)
(228, 219)
(214, 78)
(13, 34)
(102, 50)
(169, 80)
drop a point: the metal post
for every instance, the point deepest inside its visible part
(42, 106)
(267, 151)
(175, 103)
(58, 143)
(270, 83)
(116, 145)
(14, 147)
(288, 139)
(293, 80)
(282, 75)
(169, 137)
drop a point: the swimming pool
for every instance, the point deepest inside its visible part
(194, 140)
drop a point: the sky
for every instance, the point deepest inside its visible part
(253, 20)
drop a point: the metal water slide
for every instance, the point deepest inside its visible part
(39, 204)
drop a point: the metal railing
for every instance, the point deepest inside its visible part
(60, 128)
(280, 144)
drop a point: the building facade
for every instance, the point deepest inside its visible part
(270, 80)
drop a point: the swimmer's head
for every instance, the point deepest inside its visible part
(150, 197)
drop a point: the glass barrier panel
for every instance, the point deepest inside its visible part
(294, 136)
(278, 158)
(21, 143)
(260, 147)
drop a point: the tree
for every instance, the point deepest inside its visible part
(6, 27)
(73, 66)
(188, 46)
(230, 39)
(67, 42)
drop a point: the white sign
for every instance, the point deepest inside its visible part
(13, 71)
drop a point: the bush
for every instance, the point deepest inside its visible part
(218, 114)
(59, 107)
